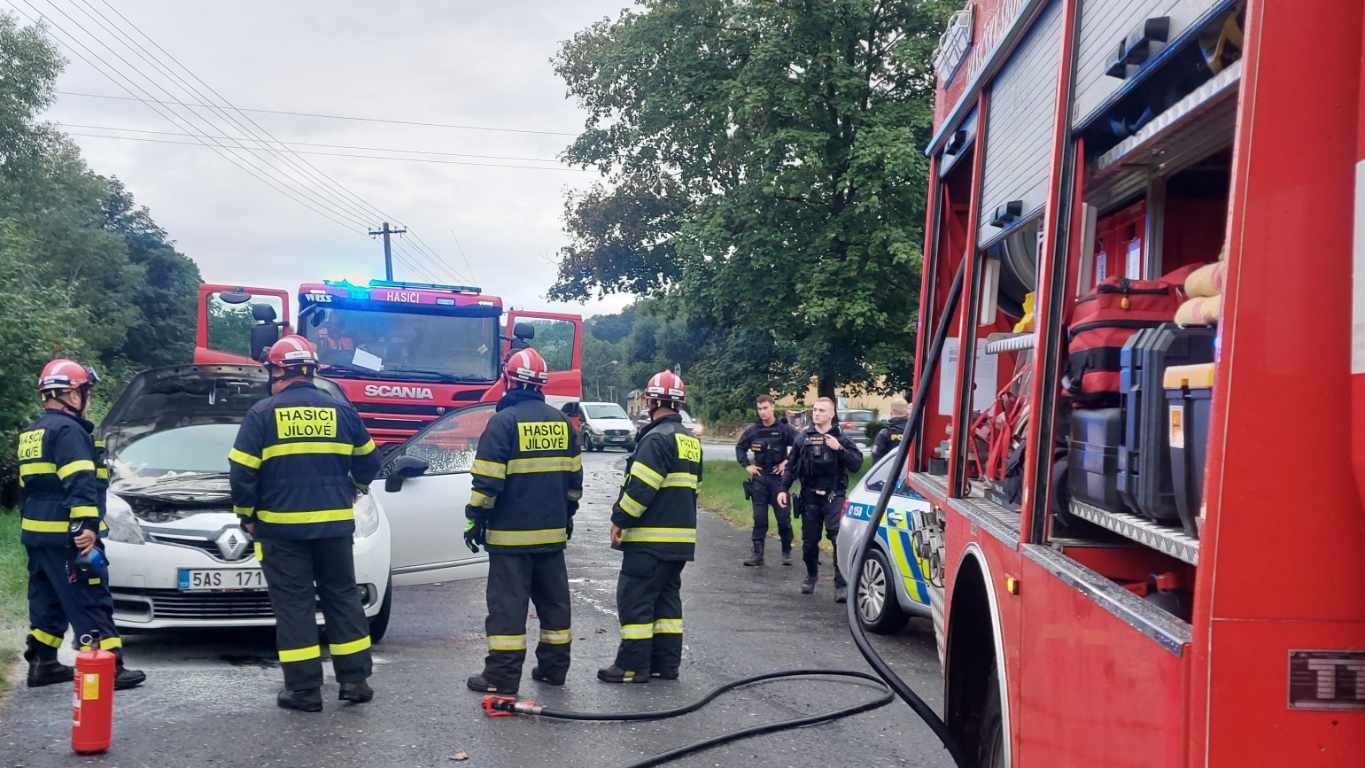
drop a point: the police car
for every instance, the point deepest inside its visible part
(892, 586)
(178, 557)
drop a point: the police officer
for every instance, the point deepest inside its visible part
(61, 524)
(890, 437)
(821, 460)
(528, 477)
(654, 523)
(762, 451)
(299, 460)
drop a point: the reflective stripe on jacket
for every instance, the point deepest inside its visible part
(58, 473)
(657, 509)
(527, 476)
(297, 463)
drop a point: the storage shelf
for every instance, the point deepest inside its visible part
(1182, 113)
(1013, 342)
(1165, 539)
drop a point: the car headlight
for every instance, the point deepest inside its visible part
(366, 516)
(123, 525)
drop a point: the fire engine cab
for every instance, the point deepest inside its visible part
(1144, 441)
(404, 353)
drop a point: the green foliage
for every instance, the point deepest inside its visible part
(84, 272)
(762, 174)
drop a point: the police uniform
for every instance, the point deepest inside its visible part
(889, 439)
(823, 474)
(299, 459)
(59, 470)
(528, 477)
(657, 512)
(766, 448)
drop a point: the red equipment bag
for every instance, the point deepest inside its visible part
(1101, 324)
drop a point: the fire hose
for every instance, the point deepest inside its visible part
(886, 679)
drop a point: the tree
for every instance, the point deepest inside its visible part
(761, 168)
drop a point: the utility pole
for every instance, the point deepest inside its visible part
(385, 230)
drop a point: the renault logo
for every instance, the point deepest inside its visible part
(232, 543)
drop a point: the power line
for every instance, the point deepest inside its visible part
(296, 170)
(336, 154)
(128, 85)
(316, 144)
(354, 118)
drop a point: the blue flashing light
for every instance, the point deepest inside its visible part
(425, 286)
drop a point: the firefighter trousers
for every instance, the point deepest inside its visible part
(291, 568)
(820, 513)
(54, 601)
(649, 604)
(514, 580)
(763, 492)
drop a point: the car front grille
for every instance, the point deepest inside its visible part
(618, 432)
(174, 604)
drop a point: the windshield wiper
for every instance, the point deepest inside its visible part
(329, 368)
(424, 373)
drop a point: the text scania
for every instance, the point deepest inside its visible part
(412, 393)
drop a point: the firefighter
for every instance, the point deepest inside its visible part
(822, 460)
(890, 437)
(654, 524)
(61, 525)
(762, 451)
(528, 477)
(299, 460)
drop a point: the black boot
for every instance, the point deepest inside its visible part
(43, 667)
(787, 555)
(808, 586)
(615, 674)
(541, 677)
(841, 594)
(307, 700)
(757, 559)
(358, 692)
(480, 684)
(126, 678)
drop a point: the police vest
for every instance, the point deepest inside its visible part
(767, 445)
(57, 471)
(820, 468)
(297, 462)
(657, 508)
(527, 478)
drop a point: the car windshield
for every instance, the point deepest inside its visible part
(196, 448)
(605, 411)
(403, 345)
(858, 416)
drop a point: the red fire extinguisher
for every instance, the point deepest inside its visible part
(92, 714)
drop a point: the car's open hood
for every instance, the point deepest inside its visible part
(181, 396)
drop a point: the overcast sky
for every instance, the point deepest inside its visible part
(436, 61)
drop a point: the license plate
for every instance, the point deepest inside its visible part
(617, 439)
(220, 579)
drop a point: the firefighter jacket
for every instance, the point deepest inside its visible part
(765, 447)
(528, 476)
(817, 466)
(657, 510)
(889, 439)
(58, 473)
(299, 459)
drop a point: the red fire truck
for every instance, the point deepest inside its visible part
(1084, 149)
(404, 353)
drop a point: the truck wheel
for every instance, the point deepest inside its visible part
(878, 609)
(379, 625)
(990, 750)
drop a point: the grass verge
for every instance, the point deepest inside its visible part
(722, 492)
(13, 593)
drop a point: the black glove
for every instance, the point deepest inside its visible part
(474, 534)
(568, 528)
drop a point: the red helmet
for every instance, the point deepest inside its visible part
(292, 351)
(667, 386)
(62, 374)
(526, 366)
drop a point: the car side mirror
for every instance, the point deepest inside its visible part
(404, 468)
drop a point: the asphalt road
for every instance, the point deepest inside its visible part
(209, 699)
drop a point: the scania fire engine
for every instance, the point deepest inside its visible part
(404, 353)
(1145, 208)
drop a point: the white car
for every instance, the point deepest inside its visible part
(604, 425)
(893, 585)
(178, 558)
